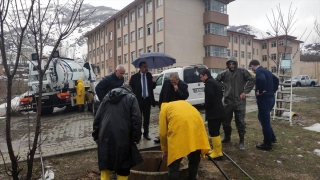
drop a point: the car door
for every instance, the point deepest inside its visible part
(158, 88)
(195, 85)
(308, 81)
(303, 80)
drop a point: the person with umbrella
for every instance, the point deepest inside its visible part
(142, 84)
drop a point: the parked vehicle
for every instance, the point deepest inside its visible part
(59, 84)
(190, 75)
(301, 80)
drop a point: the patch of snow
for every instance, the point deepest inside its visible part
(318, 142)
(300, 155)
(314, 127)
(316, 152)
(279, 162)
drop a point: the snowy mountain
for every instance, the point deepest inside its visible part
(247, 29)
(312, 49)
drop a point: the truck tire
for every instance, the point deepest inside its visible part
(313, 84)
(298, 84)
(46, 110)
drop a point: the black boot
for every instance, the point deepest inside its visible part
(241, 142)
(146, 133)
(227, 134)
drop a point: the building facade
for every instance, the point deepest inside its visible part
(192, 31)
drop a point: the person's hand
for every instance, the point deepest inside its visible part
(164, 155)
(175, 87)
(257, 93)
(243, 95)
(154, 80)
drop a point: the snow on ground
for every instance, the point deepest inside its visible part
(314, 127)
(316, 152)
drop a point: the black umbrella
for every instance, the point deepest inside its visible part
(154, 60)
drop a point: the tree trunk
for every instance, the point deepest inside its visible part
(14, 162)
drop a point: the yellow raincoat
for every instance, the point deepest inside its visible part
(80, 92)
(181, 130)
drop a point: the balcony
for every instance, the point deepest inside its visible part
(215, 40)
(212, 16)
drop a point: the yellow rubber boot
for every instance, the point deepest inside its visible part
(105, 174)
(122, 177)
(216, 153)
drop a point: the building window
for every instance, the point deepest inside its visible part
(282, 42)
(249, 42)
(102, 33)
(119, 60)
(110, 53)
(264, 58)
(140, 33)
(216, 51)
(213, 28)
(149, 29)
(273, 69)
(92, 38)
(98, 52)
(102, 65)
(126, 78)
(149, 6)
(110, 69)
(242, 54)
(102, 49)
(119, 41)
(159, 3)
(242, 40)
(160, 24)
(125, 20)
(133, 56)
(264, 45)
(110, 36)
(228, 52)
(249, 55)
(125, 39)
(119, 24)
(140, 52)
(133, 36)
(214, 5)
(106, 31)
(132, 15)
(273, 56)
(97, 36)
(140, 11)
(159, 47)
(235, 39)
(94, 53)
(125, 58)
(149, 49)
(235, 53)
(273, 44)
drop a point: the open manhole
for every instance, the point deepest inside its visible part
(148, 169)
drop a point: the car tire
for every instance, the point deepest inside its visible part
(313, 84)
(298, 85)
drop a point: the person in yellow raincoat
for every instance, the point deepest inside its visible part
(80, 94)
(182, 133)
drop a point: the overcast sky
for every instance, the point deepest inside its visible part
(253, 12)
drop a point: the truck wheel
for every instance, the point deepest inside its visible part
(298, 85)
(313, 84)
(46, 110)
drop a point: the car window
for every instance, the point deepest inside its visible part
(303, 78)
(307, 77)
(192, 75)
(159, 80)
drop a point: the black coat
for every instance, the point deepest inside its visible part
(213, 99)
(168, 93)
(108, 83)
(117, 126)
(135, 83)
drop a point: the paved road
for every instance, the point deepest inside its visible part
(65, 132)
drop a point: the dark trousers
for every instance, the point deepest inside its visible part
(214, 126)
(239, 110)
(265, 106)
(145, 107)
(194, 160)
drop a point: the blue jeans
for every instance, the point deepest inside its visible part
(265, 106)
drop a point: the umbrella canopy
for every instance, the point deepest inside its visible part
(155, 60)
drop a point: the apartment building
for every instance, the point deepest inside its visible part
(192, 31)
(267, 50)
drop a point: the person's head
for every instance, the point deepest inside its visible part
(254, 64)
(143, 67)
(204, 75)
(174, 78)
(120, 71)
(232, 63)
(127, 87)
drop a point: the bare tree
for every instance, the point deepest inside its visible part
(18, 17)
(317, 28)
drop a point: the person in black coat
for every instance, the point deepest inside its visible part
(214, 111)
(111, 81)
(173, 89)
(143, 84)
(117, 130)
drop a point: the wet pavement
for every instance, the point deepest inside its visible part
(66, 132)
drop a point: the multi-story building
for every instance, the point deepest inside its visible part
(192, 31)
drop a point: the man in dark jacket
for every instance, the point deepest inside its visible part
(173, 89)
(117, 130)
(237, 82)
(143, 84)
(111, 81)
(214, 111)
(266, 86)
